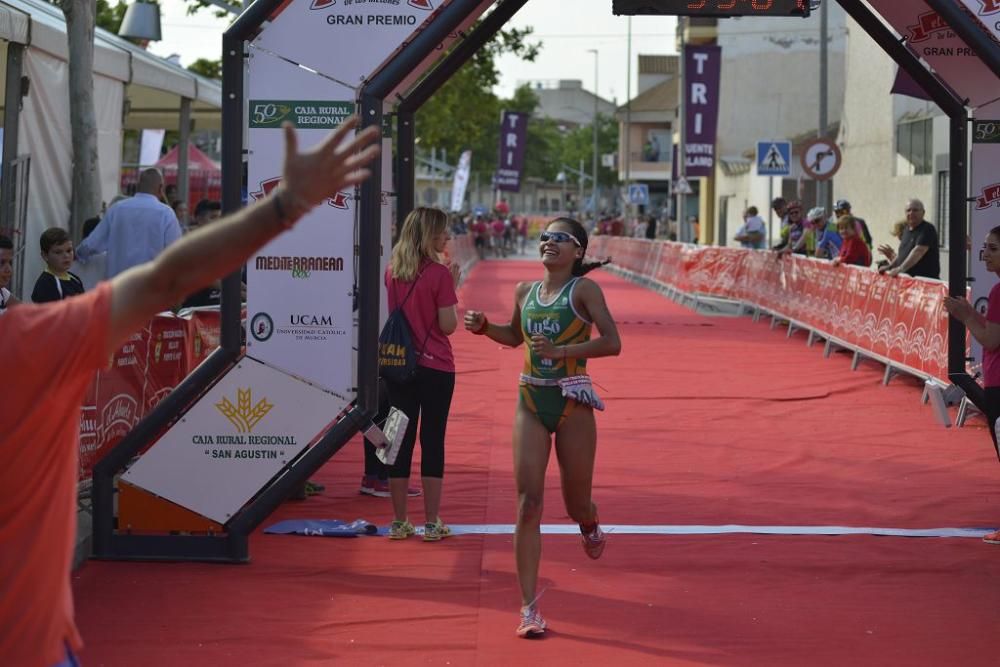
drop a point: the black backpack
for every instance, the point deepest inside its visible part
(397, 356)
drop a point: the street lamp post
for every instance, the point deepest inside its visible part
(594, 163)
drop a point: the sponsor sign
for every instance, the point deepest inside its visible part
(166, 362)
(987, 12)
(930, 37)
(250, 425)
(984, 182)
(513, 141)
(314, 115)
(702, 67)
(307, 272)
(347, 40)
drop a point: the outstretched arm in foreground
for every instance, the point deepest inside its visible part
(220, 248)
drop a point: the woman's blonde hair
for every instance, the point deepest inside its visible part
(897, 229)
(416, 241)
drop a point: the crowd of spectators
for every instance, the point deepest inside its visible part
(844, 238)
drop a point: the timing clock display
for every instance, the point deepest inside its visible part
(719, 8)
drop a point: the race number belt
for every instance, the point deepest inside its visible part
(576, 387)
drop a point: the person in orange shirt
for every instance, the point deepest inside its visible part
(39, 438)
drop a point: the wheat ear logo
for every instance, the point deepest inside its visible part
(242, 415)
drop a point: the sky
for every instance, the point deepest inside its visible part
(566, 37)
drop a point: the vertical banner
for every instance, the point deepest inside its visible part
(461, 181)
(702, 69)
(513, 136)
(985, 187)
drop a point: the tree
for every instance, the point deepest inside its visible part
(85, 201)
(465, 113)
(578, 144)
(210, 69)
(110, 16)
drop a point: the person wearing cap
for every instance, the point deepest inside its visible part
(825, 232)
(841, 208)
(792, 232)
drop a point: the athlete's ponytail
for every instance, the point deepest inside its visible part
(581, 267)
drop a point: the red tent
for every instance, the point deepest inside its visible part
(204, 175)
(197, 161)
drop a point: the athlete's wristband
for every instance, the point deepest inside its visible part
(481, 331)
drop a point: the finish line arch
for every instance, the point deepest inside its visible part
(303, 388)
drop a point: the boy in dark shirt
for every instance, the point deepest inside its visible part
(56, 281)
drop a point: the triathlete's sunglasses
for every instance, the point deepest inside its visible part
(558, 237)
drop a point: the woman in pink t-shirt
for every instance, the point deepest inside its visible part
(425, 287)
(986, 330)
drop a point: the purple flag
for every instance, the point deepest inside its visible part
(702, 69)
(513, 137)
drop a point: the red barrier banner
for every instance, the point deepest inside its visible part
(119, 403)
(900, 319)
(205, 331)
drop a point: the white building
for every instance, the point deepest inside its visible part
(568, 103)
(770, 91)
(894, 147)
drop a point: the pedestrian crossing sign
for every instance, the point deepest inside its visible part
(774, 158)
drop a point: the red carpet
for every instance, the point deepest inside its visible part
(709, 421)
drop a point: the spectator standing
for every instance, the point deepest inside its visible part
(40, 422)
(481, 232)
(93, 271)
(780, 207)
(180, 208)
(651, 227)
(753, 232)
(986, 330)
(56, 282)
(498, 227)
(919, 252)
(853, 249)
(6, 273)
(135, 230)
(425, 290)
(205, 211)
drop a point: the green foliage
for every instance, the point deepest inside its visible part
(198, 5)
(210, 69)
(109, 16)
(465, 113)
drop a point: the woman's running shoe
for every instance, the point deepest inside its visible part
(400, 530)
(437, 531)
(532, 623)
(593, 540)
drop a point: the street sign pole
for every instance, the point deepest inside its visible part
(682, 232)
(770, 211)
